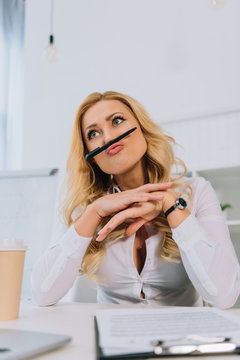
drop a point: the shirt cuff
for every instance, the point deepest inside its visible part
(73, 244)
(188, 233)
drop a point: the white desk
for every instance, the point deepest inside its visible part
(75, 319)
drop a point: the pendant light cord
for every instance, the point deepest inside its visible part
(51, 37)
(51, 18)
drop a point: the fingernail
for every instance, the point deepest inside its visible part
(97, 238)
(102, 230)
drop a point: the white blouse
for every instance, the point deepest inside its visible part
(208, 269)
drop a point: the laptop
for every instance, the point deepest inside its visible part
(20, 344)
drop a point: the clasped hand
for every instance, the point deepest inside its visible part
(142, 204)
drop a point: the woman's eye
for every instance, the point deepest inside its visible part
(92, 134)
(117, 121)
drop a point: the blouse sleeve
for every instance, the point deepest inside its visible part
(207, 251)
(55, 271)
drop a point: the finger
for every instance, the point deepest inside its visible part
(131, 212)
(132, 228)
(100, 237)
(155, 187)
(116, 220)
(135, 226)
(148, 223)
(142, 197)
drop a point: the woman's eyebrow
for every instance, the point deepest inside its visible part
(107, 118)
(110, 116)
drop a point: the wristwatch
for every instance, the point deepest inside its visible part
(179, 204)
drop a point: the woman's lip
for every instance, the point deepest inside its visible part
(115, 148)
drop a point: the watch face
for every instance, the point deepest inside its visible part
(182, 203)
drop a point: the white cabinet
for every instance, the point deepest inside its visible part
(226, 182)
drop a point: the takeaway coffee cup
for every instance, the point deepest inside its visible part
(12, 256)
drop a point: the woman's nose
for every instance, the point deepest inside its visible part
(109, 135)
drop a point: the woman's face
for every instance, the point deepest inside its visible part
(106, 120)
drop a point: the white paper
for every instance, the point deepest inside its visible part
(133, 330)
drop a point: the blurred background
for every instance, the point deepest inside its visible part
(179, 58)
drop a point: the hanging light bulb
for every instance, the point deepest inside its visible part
(50, 53)
(217, 4)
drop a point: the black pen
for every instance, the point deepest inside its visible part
(98, 150)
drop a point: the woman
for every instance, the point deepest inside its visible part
(125, 225)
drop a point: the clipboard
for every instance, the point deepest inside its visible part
(222, 347)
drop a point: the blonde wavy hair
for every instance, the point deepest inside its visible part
(86, 182)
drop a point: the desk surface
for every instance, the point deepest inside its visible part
(75, 319)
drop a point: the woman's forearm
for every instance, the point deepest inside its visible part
(57, 268)
(87, 224)
(177, 217)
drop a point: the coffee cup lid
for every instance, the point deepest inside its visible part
(8, 244)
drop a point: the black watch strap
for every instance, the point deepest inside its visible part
(170, 210)
(179, 204)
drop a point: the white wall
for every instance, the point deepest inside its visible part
(179, 58)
